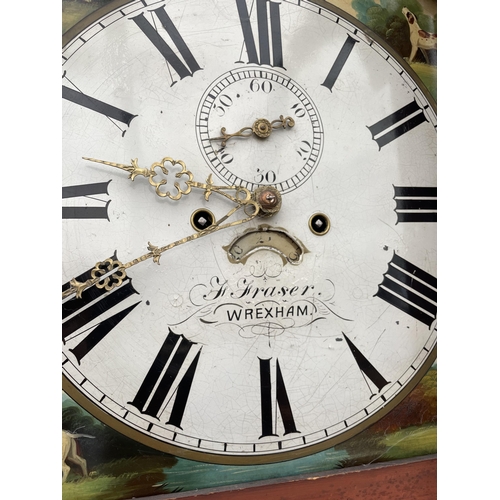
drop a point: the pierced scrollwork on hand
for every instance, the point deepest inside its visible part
(261, 127)
(110, 273)
(77, 287)
(153, 173)
(156, 252)
(114, 268)
(242, 196)
(183, 172)
(288, 121)
(113, 280)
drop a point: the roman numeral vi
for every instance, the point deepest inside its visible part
(268, 401)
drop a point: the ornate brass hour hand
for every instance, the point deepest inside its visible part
(157, 170)
(261, 128)
(109, 274)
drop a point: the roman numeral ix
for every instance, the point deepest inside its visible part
(269, 401)
(89, 191)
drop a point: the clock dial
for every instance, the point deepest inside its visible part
(289, 333)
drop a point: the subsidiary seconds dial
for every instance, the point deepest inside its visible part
(285, 155)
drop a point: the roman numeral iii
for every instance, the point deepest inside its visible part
(415, 204)
(170, 376)
(268, 31)
(410, 289)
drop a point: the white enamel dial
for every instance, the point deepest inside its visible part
(271, 339)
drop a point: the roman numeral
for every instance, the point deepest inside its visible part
(86, 212)
(339, 63)
(410, 289)
(269, 33)
(268, 402)
(170, 375)
(105, 109)
(366, 367)
(396, 124)
(415, 204)
(78, 313)
(182, 68)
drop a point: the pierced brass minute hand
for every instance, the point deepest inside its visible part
(109, 274)
(261, 128)
(156, 170)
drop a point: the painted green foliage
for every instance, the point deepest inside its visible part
(75, 10)
(408, 430)
(120, 468)
(107, 444)
(387, 20)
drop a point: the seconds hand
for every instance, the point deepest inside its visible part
(262, 128)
